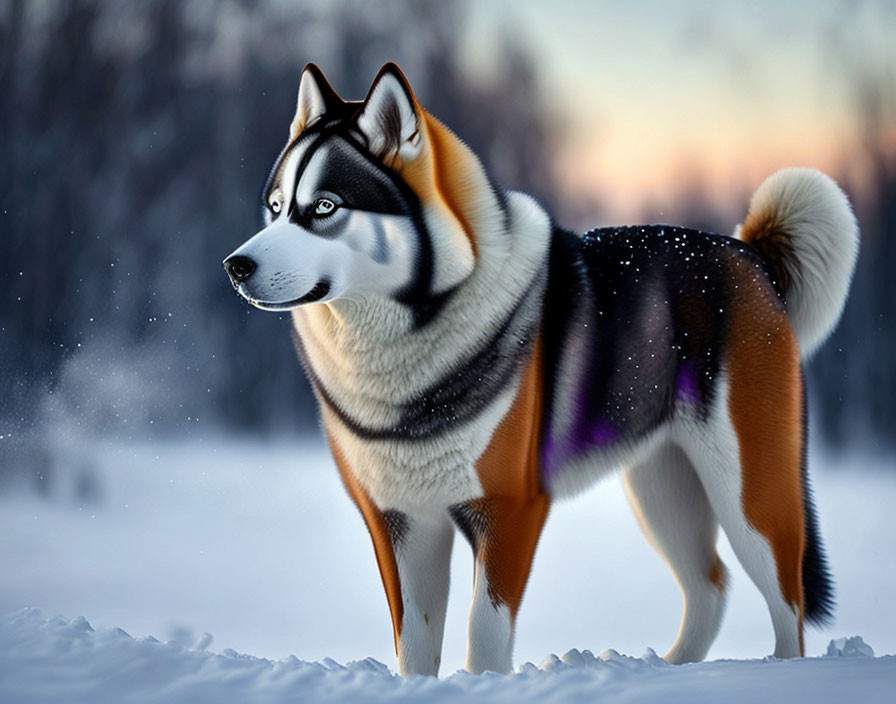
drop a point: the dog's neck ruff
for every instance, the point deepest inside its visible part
(369, 361)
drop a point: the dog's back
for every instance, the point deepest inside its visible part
(650, 308)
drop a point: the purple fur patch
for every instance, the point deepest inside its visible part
(554, 454)
(584, 435)
(603, 433)
(548, 454)
(686, 388)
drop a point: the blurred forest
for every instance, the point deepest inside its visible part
(135, 138)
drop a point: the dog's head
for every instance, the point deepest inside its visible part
(370, 198)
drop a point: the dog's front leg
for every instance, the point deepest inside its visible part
(504, 532)
(413, 552)
(414, 556)
(423, 560)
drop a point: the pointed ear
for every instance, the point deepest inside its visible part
(316, 98)
(390, 117)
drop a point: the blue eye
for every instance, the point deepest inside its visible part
(324, 207)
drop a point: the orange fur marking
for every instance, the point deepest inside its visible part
(448, 154)
(765, 404)
(435, 176)
(763, 231)
(379, 534)
(717, 574)
(515, 507)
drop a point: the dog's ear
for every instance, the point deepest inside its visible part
(316, 98)
(390, 117)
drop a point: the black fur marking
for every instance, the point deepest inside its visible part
(397, 525)
(501, 199)
(418, 295)
(640, 300)
(302, 215)
(349, 180)
(273, 181)
(424, 309)
(381, 252)
(457, 397)
(563, 300)
(357, 183)
(471, 519)
(818, 585)
(702, 291)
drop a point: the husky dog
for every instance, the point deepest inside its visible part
(473, 361)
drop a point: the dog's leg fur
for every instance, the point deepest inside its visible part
(673, 511)
(413, 553)
(767, 537)
(423, 556)
(382, 527)
(504, 532)
(504, 525)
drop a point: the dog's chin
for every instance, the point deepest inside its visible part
(318, 293)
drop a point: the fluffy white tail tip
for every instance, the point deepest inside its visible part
(803, 226)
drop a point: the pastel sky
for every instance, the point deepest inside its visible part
(650, 91)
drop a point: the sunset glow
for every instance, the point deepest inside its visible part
(651, 93)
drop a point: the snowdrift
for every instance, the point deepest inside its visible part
(65, 660)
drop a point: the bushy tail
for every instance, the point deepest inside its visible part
(801, 223)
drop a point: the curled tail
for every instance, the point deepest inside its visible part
(801, 223)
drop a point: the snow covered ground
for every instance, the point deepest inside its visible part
(258, 545)
(65, 660)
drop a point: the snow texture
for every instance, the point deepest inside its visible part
(258, 544)
(59, 659)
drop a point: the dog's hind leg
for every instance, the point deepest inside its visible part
(674, 513)
(749, 465)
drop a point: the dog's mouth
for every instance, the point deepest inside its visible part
(320, 291)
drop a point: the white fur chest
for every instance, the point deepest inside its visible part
(436, 471)
(371, 368)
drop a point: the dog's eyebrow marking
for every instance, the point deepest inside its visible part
(286, 164)
(307, 181)
(333, 166)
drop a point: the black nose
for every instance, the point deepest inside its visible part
(239, 268)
